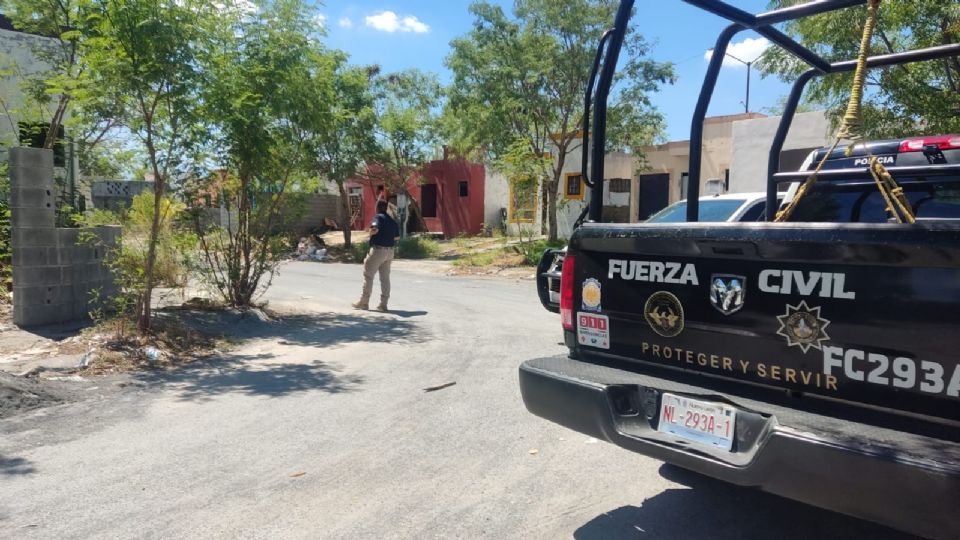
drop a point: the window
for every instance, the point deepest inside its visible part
(464, 190)
(755, 212)
(428, 200)
(710, 210)
(523, 202)
(573, 186)
(859, 203)
(619, 185)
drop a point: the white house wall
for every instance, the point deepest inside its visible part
(752, 141)
(18, 49)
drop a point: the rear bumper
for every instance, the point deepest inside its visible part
(912, 491)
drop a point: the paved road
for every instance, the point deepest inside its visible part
(320, 428)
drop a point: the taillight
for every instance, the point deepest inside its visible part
(566, 292)
(943, 142)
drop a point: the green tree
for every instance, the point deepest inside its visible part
(524, 77)
(405, 106)
(69, 22)
(146, 53)
(899, 100)
(342, 144)
(268, 89)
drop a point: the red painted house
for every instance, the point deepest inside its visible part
(449, 195)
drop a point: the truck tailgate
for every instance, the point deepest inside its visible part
(863, 313)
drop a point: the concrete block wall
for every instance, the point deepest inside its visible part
(54, 269)
(116, 195)
(316, 207)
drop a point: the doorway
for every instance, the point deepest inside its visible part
(653, 192)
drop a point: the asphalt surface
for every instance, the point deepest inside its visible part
(320, 427)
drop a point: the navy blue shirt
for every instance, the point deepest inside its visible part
(387, 231)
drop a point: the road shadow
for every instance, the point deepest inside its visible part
(255, 375)
(15, 466)
(313, 329)
(720, 511)
(405, 314)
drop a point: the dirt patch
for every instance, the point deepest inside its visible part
(20, 394)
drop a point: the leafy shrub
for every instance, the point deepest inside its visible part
(417, 247)
(176, 250)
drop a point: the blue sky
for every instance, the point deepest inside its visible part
(400, 34)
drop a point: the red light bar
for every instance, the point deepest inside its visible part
(566, 292)
(943, 142)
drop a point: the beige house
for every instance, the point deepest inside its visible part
(734, 159)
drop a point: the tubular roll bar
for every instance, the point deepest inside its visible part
(773, 161)
(741, 20)
(861, 172)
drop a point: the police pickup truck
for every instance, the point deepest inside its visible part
(816, 359)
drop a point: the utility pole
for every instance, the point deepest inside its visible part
(746, 103)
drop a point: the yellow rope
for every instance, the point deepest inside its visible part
(852, 126)
(852, 129)
(784, 215)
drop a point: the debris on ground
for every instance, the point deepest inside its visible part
(19, 394)
(297, 474)
(534, 451)
(311, 248)
(439, 387)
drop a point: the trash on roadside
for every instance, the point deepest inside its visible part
(87, 359)
(534, 451)
(152, 353)
(311, 248)
(297, 474)
(439, 387)
(591, 440)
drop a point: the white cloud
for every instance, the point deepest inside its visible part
(388, 21)
(747, 50)
(345, 22)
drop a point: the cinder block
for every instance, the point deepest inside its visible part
(34, 256)
(46, 237)
(69, 274)
(109, 235)
(22, 156)
(24, 276)
(43, 314)
(27, 197)
(32, 218)
(68, 237)
(44, 295)
(31, 178)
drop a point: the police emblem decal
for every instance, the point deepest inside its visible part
(590, 295)
(803, 327)
(664, 314)
(727, 292)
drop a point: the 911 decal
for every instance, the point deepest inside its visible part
(593, 330)
(898, 372)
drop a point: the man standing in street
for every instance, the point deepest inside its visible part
(383, 236)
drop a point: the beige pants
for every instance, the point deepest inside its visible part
(378, 260)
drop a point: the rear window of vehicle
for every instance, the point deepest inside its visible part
(863, 203)
(715, 210)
